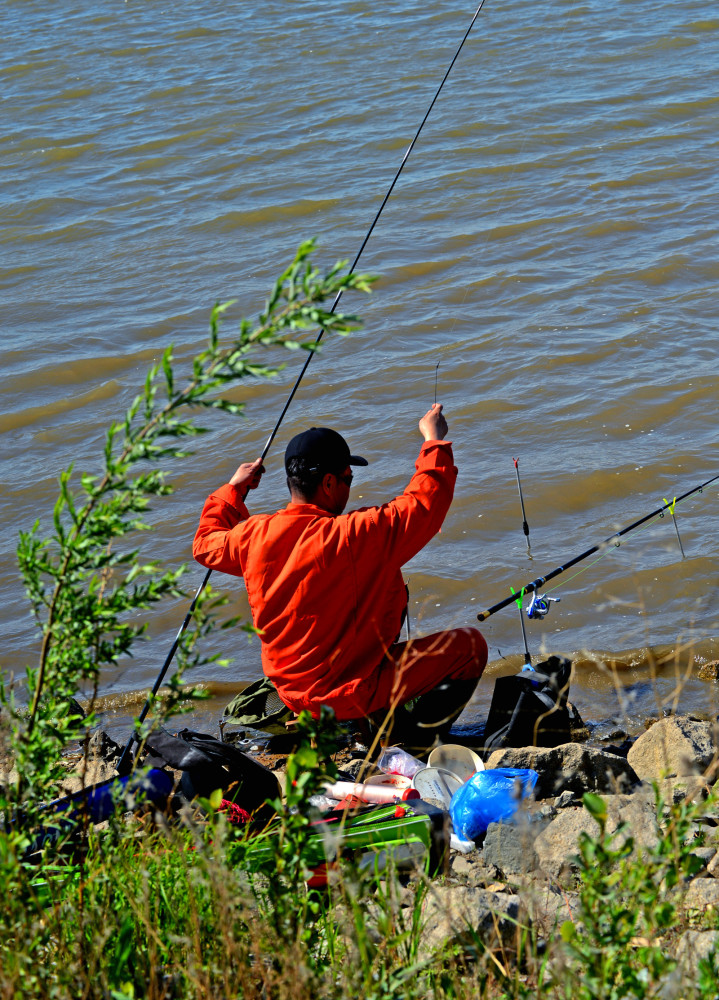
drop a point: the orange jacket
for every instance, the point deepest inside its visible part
(326, 590)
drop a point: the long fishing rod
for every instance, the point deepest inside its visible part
(534, 585)
(124, 760)
(525, 525)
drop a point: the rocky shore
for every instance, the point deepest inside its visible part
(524, 873)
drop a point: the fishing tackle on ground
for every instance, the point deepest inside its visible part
(534, 585)
(125, 761)
(525, 525)
(538, 607)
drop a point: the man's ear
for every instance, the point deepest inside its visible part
(327, 482)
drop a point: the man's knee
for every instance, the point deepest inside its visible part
(472, 652)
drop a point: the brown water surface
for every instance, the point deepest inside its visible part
(552, 243)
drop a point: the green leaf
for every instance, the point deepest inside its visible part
(567, 931)
(595, 805)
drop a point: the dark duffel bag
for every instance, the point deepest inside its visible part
(532, 708)
(207, 764)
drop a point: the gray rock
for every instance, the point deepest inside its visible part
(566, 799)
(705, 854)
(457, 916)
(713, 866)
(511, 847)
(693, 946)
(103, 747)
(677, 789)
(701, 894)
(558, 845)
(674, 747)
(570, 767)
(463, 864)
(709, 671)
(548, 906)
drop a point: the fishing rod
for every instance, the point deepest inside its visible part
(534, 585)
(125, 758)
(525, 525)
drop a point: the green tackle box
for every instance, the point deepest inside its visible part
(408, 834)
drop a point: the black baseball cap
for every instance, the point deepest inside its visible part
(324, 448)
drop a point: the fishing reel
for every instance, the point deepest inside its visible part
(539, 605)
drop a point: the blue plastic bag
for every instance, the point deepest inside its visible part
(489, 797)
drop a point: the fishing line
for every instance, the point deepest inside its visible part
(124, 760)
(602, 547)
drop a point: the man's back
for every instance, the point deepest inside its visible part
(326, 589)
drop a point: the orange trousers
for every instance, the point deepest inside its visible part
(415, 668)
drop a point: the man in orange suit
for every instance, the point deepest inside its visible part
(325, 587)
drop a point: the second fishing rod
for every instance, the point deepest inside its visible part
(126, 759)
(534, 585)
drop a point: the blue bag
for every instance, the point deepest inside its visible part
(489, 797)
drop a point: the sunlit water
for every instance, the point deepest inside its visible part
(552, 243)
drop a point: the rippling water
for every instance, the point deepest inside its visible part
(552, 243)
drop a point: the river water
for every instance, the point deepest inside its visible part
(552, 244)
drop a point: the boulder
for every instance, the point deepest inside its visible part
(678, 789)
(557, 846)
(701, 894)
(510, 847)
(103, 747)
(693, 946)
(549, 906)
(675, 747)
(454, 915)
(713, 866)
(570, 767)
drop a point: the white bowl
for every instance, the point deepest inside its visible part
(455, 758)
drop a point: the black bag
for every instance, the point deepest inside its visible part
(531, 709)
(207, 763)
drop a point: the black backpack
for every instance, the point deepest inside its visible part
(532, 708)
(207, 763)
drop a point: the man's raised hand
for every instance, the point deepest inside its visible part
(248, 476)
(433, 426)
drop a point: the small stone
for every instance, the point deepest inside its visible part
(701, 894)
(705, 854)
(465, 915)
(548, 906)
(103, 747)
(463, 865)
(614, 735)
(557, 846)
(566, 799)
(713, 866)
(709, 671)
